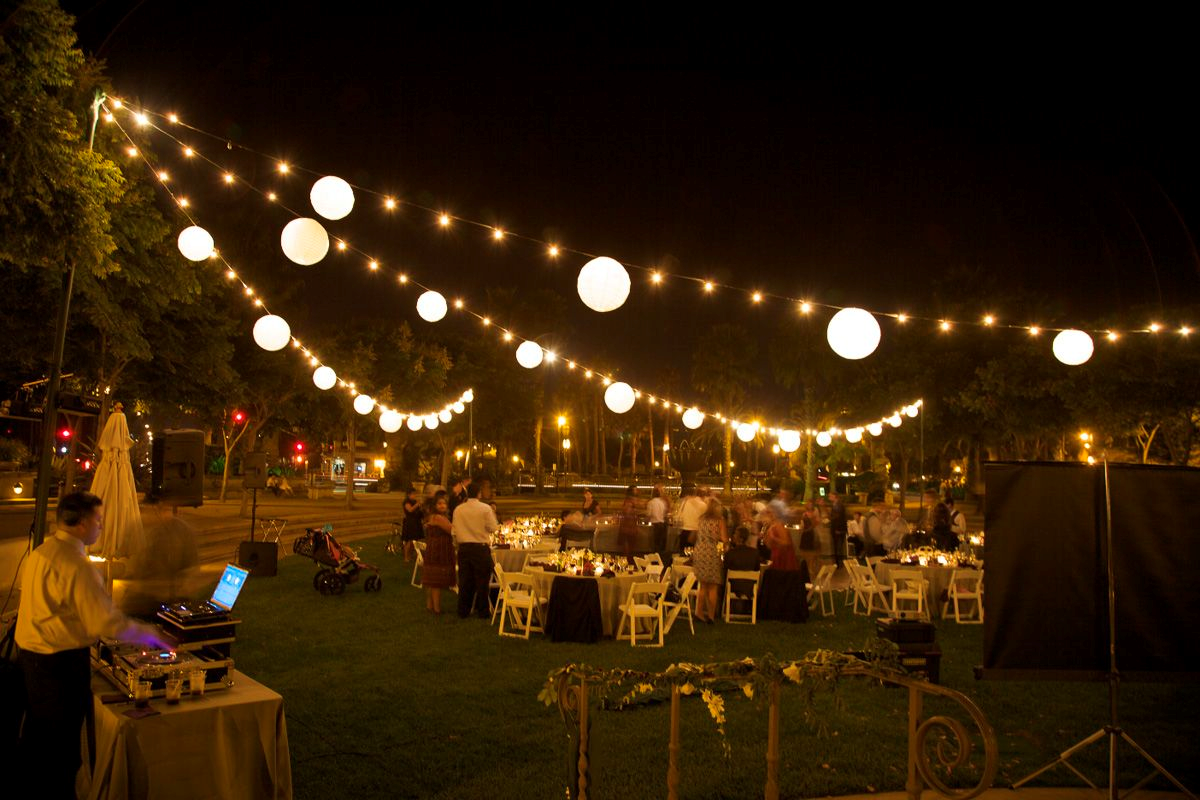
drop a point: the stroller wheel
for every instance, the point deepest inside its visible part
(334, 583)
(373, 583)
(319, 581)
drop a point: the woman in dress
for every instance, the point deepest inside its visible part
(439, 553)
(412, 528)
(783, 555)
(591, 506)
(706, 559)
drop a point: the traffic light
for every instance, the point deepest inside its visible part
(65, 433)
(299, 447)
(239, 417)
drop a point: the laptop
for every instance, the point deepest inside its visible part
(220, 604)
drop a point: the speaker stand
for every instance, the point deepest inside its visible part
(1112, 731)
(253, 511)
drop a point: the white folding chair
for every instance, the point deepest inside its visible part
(419, 549)
(640, 563)
(821, 590)
(644, 603)
(909, 586)
(750, 576)
(673, 608)
(520, 605)
(966, 585)
(496, 581)
(654, 559)
(867, 589)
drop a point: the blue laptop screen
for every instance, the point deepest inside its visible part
(226, 593)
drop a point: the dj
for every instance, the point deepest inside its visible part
(64, 609)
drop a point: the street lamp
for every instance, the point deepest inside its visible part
(562, 423)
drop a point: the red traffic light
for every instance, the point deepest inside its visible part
(299, 447)
(65, 433)
(239, 417)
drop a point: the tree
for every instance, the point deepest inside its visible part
(723, 371)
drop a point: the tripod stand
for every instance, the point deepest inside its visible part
(1112, 731)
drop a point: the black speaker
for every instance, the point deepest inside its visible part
(261, 558)
(254, 471)
(177, 467)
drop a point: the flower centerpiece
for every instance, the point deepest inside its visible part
(522, 533)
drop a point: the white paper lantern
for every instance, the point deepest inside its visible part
(332, 197)
(619, 397)
(458, 407)
(746, 431)
(431, 306)
(875, 428)
(415, 423)
(304, 241)
(364, 404)
(529, 355)
(824, 439)
(853, 333)
(390, 421)
(911, 411)
(894, 420)
(445, 416)
(431, 421)
(693, 418)
(324, 378)
(1073, 347)
(854, 435)
(272, 333)
(603, 284)
(789, 441)
(468, 396)
(195, 243)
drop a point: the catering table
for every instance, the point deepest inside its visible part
(230, 744)
(937, 575)
(613, 591)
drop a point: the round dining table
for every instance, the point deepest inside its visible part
(937, 575)
(613, 591)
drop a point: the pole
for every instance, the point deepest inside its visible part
(253, 511)
(1113, 677)
(921, 472)
(470, 434)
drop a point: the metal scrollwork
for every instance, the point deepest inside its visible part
(952, 750)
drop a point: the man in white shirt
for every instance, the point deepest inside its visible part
(657, 510)
(472, 527)
(691, 506)
(64, 609)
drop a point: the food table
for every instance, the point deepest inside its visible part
(613, 591)
(230, 743)
(937, 575)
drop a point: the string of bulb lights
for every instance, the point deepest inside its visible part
(272, 332)
(305, 241)
(855, 335)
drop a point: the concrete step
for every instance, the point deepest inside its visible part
(220, 544)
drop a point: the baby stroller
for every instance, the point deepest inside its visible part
(339, 563)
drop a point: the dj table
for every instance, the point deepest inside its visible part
(229, 744)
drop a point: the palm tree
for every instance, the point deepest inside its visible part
(722, 371)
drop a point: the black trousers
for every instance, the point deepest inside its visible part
(660, 536)
(474, 572)
(60, 699)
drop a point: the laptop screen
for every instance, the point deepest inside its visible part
(226, 593)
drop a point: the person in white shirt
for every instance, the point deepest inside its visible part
(473, 524)
(691, 507)
(657, 510)
(64, 609)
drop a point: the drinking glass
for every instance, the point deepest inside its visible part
(196, 682)
(174, 690)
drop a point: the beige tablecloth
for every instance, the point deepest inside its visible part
(613, 592)
(510, 559)
(938, 577)
(228, 744)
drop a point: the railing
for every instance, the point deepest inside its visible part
(936, 746)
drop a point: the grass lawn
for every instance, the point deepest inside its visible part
(385, 700)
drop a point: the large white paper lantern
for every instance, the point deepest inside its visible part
(875, 428)
(854, 435)
(195, 243)
(1073, 347)
(445, 416)
(746, 431)
(332, 197)
(458, 407)
(693, 418)
(529, 355)
(911, 411)
(431, 421)
(894, 420)
(415, 423)
(619, 397)
(364, 404)
(603, 284)
(853, 333)
(789, 441)
(824, 439)
(468, 396)
(304, 241)
(324, 378)
(431, 306)
(272, 333)
(390, 421)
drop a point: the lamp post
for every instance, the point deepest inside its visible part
(562, 421)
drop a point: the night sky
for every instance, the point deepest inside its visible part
(811, 164)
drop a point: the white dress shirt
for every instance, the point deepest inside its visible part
(689, 513)
(63, 602)
(474, 522)
(657, 510)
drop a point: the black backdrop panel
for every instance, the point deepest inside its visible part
(1156, 513)
(1044, 592)
(1045, 598)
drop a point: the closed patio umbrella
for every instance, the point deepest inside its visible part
(113, 483)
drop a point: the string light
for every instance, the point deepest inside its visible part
(553, 251)
(283, 168)
(989, 320)
(374, 265)
(656, 277)
(444, 220)
(805, 307)
(1155, 327)
(756, 297)
(1034, 330)
(708, 286)
(389, 203)
(497, 234)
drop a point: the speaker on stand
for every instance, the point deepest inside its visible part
(261, 558)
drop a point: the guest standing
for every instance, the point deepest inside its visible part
(838, 527)
(474, 522)
(783, 552)
(412, 529)
(657, 510)
(691, 508)
(706, 559)
(439, 553)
